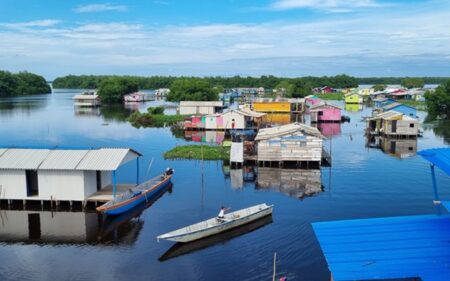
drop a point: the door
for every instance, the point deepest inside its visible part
(394, 126)
(32, 182)
(98, 176)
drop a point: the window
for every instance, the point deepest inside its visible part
(31, 177)
(411, 125)
(320, 113)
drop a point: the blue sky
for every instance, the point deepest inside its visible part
(226, 37)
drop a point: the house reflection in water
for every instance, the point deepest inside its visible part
(205, 136)
(296, 183)
(353, 107)
(87, 111)
(241, 176)
(329, 129)
(400, 148)
(47, 227)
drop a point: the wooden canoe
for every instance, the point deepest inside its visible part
(135, 196)
(214, 226)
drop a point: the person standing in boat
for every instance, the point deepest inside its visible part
(222, 211)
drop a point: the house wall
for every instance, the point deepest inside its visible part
(60, 185)
(13, 184)
(272, 106)
(330, 114)
(203, 110)
(298, 148)
(403, 127)
(354, 99)
(239, 120)
(210, 122)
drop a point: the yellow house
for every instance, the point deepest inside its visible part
(353, 99)
(279, 105)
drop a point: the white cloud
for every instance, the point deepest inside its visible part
(94, 8)
(337, 6)
(29, 24)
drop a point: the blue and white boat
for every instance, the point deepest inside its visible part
(139, 194)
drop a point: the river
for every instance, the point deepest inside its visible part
(363, 182)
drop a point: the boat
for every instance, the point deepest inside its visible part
(136, 195)
(215, 225)
(112, 223)
(179, 249)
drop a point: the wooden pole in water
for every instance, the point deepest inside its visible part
(274, 265)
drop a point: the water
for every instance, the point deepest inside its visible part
(363, 182)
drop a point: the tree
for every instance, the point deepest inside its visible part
(301, 88)
(8, 84)
(411, 82)
(112, 90)
(31, 84)
(192, 89)
(379, 87)
(438, 102)
(285, 88)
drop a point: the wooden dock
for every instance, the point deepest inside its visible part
(106, 193)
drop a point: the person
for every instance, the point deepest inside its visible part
(222, 211)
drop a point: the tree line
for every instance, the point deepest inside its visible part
(438, 102)
(21, 84)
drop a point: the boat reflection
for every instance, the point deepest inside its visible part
(112, 224)
(400, 148)
(297, 183)
(180, 249)
(70, 227)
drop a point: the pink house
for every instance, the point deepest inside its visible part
(325, 112)
(329, 129)
(312, 101)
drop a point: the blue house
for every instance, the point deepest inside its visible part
(380, 102)
(396, 248)
(402, 108)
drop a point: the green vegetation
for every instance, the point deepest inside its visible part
(410, 83)
(94, 81)
(379, 87)
(192, 89)
(398, 80)
(438, 102)
(331, 96)
(21, 84)
(199, 152)
(154, 118)
(113, 89)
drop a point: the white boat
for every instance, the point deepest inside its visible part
(214, 225)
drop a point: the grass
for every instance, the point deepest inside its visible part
(198, 151)
(138, 119)
(331, 96)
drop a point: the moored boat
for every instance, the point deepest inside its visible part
(142, 192)
(215, 225)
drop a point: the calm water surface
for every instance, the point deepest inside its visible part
(362, 182)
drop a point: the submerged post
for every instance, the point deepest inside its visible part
(114, 184)
(433, 178)
(137, 171)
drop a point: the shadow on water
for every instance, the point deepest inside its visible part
(115, 113)
(180, 249)
(442, 129)
(68, 227)
(113, 223)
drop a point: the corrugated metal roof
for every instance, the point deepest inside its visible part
(279, 131)
(63, 159)
(324, 104)
(23, 159)
(202, 103)
(387, 248)
(439, 157)
(103, 159)
(2, 150)
(106, 159)
(85, 97)
(387, 115)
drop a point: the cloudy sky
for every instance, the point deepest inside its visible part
(226, 37)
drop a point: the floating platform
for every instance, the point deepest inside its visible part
(106, 194)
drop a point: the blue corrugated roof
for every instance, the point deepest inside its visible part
(440, 157)
(387, 248)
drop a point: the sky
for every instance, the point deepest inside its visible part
(289, 38)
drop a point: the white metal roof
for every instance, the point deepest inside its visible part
(63, 159)
(85, 97)
(103, 159)
(2, 150)
(24, 159)
(106, 159)
(202, 103)
(279, 131)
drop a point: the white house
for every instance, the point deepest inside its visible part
(88, 99)
(61, 175)
(242, 119)
(200, 107)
